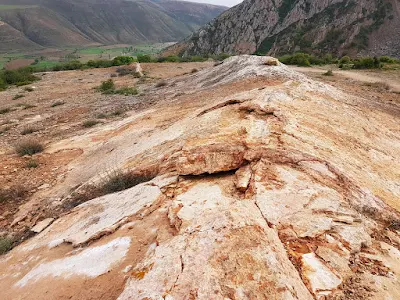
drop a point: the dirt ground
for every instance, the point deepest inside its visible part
(57, 108)
(62, 101)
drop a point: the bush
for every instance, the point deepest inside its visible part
(3, 84)
(117, 181)
(144, 58)
(107, 87)
(345, 60)
(28, 130)
(5, 245)
(32, 164)
(99, 63)
(328, 73)
(122, 60)
(5, 110)
(29, 147)
(367, 63)
(71, 65)
(90, 123)
(388, 60)
(194, 71)
(300, 59)
(18, 96)
(126, 91)
(18, 77)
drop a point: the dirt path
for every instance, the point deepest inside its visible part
(363, 76)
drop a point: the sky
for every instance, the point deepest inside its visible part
(218, 2)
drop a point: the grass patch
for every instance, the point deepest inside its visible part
(4, 111)
(31, 164)
(90, 123)
(126, 91)
(113, 182)
(28, 147)
(6, 245)
(29, 130)
(18, 96)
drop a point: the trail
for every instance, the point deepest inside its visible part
(354, 75)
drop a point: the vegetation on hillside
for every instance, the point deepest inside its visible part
(346, 62)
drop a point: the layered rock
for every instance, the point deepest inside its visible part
(269, 186)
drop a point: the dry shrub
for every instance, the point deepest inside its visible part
(28, 147)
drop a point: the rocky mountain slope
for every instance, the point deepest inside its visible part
(284, 26)
(267, 185)
(32, 24)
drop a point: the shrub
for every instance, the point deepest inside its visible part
(300, 59)
(71, 65)
(122, 60)
(18, 96)
(99, 63)
(367, 63)
(328, 73)
(107, 87)
(127, 91)
(117, 181)
(194, 71)
(144, 58)
(32, 164)
(28, 147)
(5, 244)
(5, 110)
(388, 60)
(3, 84)
(28, 130)
(345, 60)
(18, 77)
(90, 123)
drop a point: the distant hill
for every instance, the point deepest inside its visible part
(362, 27)
(34, 24)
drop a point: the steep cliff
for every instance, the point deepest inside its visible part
(283, 26)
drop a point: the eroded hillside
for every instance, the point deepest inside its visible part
(265, 184)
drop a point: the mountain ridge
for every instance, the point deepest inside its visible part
(35, 24)
(367, 27)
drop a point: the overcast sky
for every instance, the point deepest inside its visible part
(218, 2)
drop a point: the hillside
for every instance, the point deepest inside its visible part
(249, 180)
(33, 24)
(367, 27)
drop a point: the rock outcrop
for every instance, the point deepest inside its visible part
(284, 26)
(269, 185)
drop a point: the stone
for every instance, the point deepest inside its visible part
(42, 225)
(322, 280)
(243, 176)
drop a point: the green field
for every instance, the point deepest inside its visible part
(83, 54)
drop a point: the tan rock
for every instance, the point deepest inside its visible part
(42, 225)
(243, 176)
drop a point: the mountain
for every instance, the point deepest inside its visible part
(284, 26)
(31, 24)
